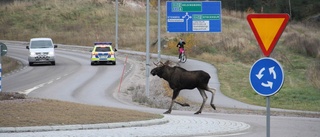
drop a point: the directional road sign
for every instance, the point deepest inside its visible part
(266, 76)
(193, 16)
(4, 49)
(267, 29)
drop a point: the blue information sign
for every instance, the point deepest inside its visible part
(193, 16)
(266, 76)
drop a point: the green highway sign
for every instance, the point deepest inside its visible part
(194, 16)
(186, 7)
(206, 17)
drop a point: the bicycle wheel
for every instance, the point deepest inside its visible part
(183, 58)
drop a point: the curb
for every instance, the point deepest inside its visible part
(85, 127)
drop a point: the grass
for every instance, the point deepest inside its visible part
(9, 64)
(20, 111)
(233, 51)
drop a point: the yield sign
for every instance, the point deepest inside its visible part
(267, 29)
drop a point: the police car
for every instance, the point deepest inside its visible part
(103, 52)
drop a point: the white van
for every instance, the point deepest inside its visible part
(41, 50)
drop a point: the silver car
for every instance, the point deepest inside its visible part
(41, 50)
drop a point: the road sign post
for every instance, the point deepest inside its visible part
(4, 50)
(266, 75)
(193, 16)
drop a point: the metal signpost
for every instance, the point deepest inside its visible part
(266, 75)
(117, 23)
(4, 50)
(147, 47)
(193, 16)
(159, 31)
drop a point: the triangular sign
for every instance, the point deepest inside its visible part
(267, 29)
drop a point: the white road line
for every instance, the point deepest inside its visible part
(28, 91)
(32, 89)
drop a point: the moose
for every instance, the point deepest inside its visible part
(179, 78)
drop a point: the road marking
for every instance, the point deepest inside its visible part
(28, 91)
(32, 89)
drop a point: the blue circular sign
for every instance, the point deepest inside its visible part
(266, 76)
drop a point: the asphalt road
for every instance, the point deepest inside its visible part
(74, 79)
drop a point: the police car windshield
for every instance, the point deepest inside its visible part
(41, 44)
(103, 49)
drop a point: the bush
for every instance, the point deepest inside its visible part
(303, 44)
(312, 46)
(313, 74)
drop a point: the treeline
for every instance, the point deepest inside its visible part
(6, 1)
(297, 9)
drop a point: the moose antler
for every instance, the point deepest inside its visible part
(161, 63)
(167, 62)
(156, 64)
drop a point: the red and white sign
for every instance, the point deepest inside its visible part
(267, 29)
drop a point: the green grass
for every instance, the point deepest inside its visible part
(297, 92)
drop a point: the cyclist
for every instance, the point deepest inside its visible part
(180, 45)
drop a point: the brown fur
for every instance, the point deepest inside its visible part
(179, 78)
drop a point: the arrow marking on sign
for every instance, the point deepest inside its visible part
(187, 15)
(267, 85)
(271, 70)
(260, 75)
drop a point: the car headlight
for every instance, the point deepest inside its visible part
(51, 53)
(32, 53)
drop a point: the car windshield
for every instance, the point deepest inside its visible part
(41, 44)
(103, 49)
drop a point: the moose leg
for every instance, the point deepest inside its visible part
(213, 91)
(182, 104)
(174, 96)
(204, 97)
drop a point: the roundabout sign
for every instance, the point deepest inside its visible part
(266, 76)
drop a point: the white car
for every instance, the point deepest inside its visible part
(41, 50)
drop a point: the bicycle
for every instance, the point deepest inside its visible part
(183, 57)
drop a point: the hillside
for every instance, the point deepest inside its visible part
(81, 22)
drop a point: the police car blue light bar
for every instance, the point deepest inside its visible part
(103, 43)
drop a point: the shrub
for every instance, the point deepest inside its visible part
(313, 74)
(308, 45)
(312, 46)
